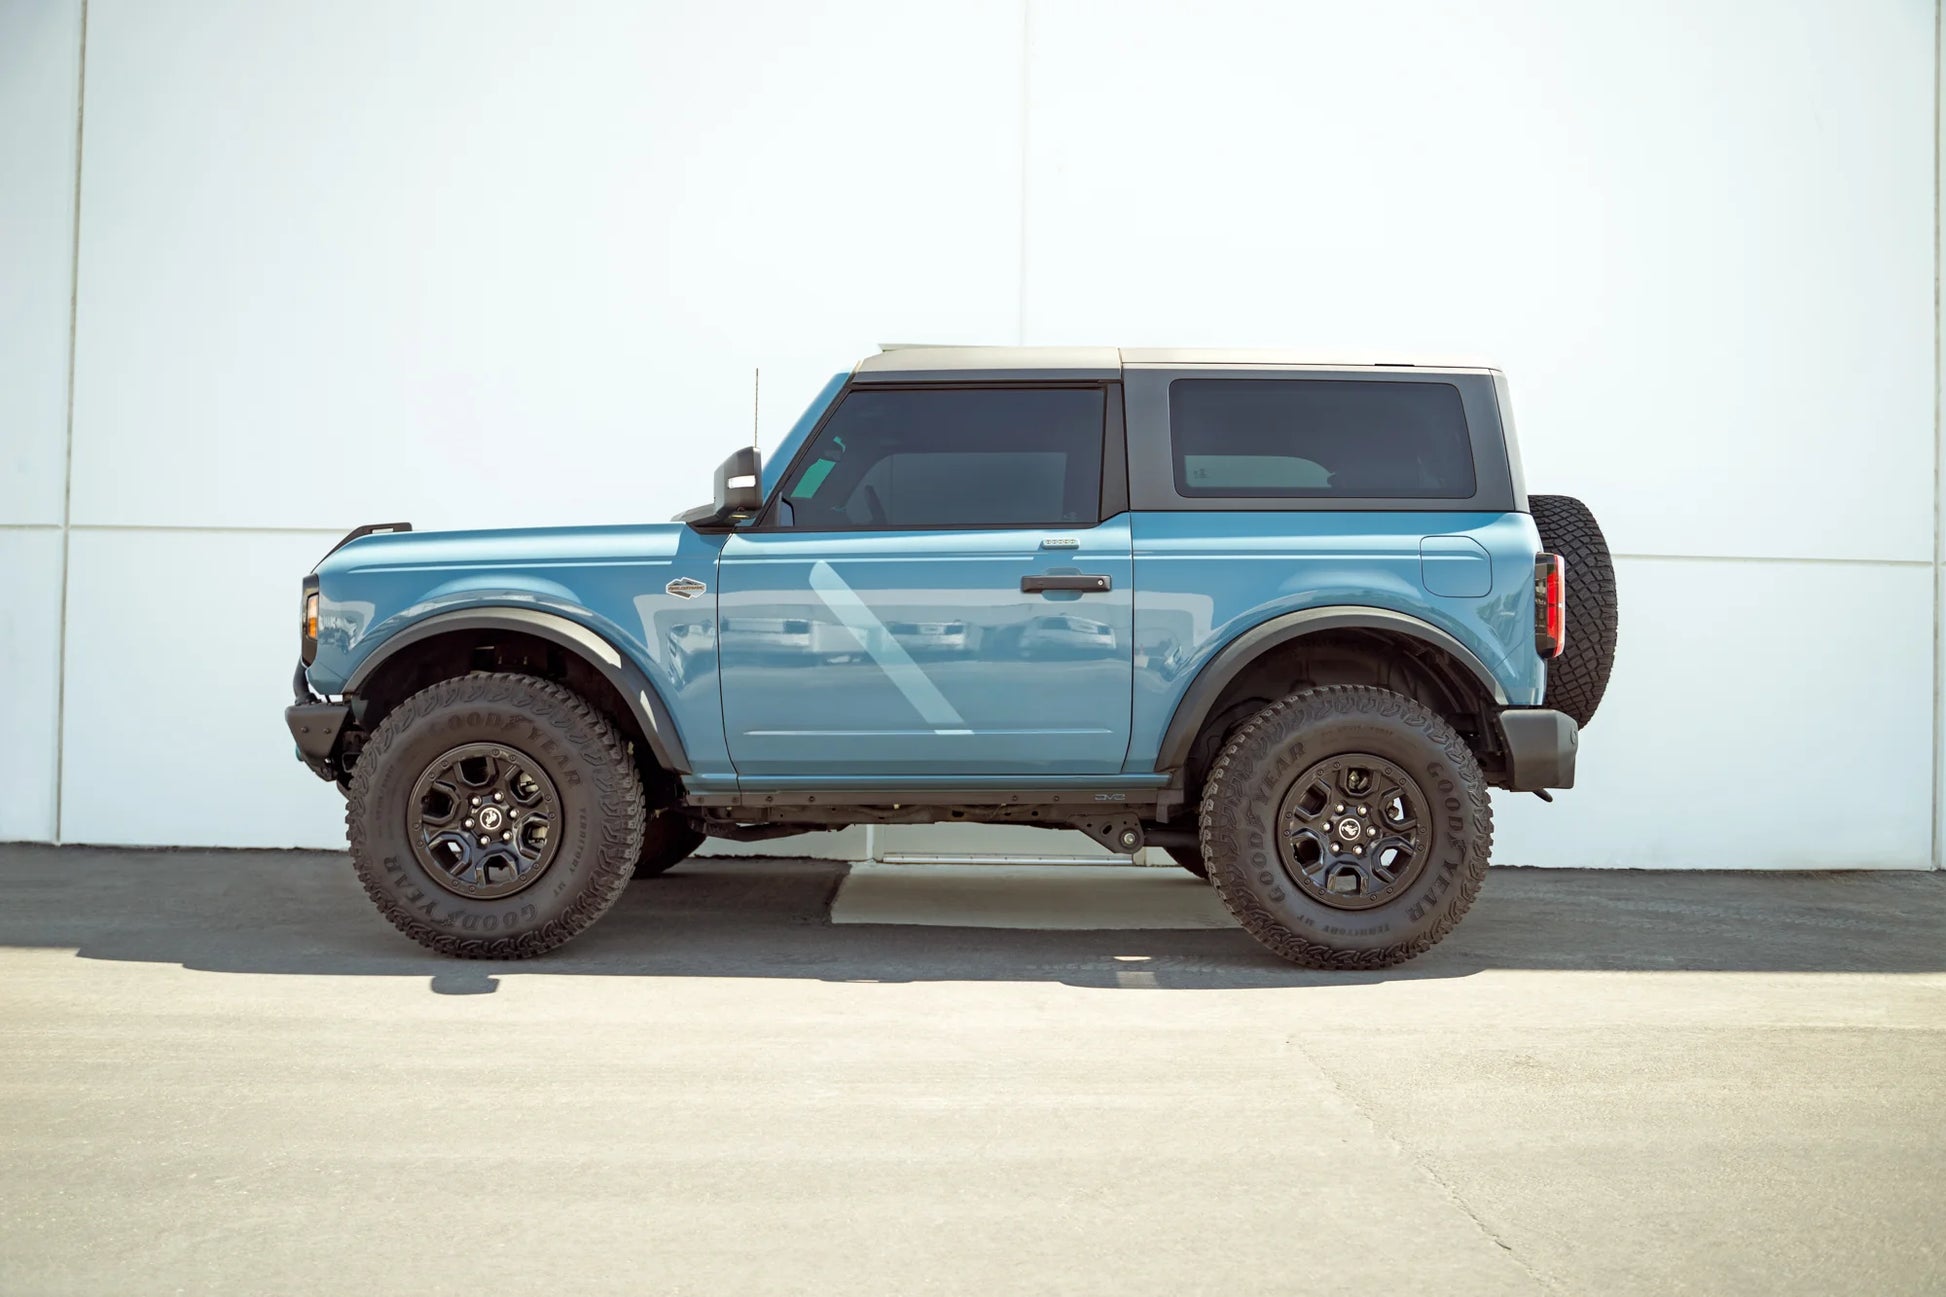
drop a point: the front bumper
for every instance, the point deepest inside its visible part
(1540, 746)
(318, 727)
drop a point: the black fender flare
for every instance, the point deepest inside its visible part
(1239, 653)
(614, 666)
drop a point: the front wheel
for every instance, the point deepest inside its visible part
(1347, 827)
(494, 816)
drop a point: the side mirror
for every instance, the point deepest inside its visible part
(739, 492)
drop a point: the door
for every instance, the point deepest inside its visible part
(936, 594)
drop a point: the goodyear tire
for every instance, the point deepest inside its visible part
(667, 840)
(1189, 858)
(1579, 677)
(1347, 827)
(494, 816)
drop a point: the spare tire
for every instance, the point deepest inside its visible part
(1577, 679)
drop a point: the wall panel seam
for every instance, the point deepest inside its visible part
(67, 466)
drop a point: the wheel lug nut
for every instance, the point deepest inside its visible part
(1363, 810)
(513, 812)
(501, 797)
(484, 839)
(506, 837)
(1371, 832)
(1341, 805)
(468, 824)
(1358, 851)
(476, 802)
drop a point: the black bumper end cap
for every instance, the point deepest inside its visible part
(318, 728)
(1541, 746)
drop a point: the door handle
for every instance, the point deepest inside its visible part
(1085, 584)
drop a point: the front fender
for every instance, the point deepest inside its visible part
(603, 593)
(629, 679)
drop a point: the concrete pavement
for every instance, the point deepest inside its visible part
(222, 1073)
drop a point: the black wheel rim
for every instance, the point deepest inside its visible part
(1355, 831)
(483, 820)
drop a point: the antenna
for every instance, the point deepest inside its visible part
(756, 407)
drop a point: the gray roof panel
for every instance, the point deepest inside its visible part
(917, 364)
(904, 364)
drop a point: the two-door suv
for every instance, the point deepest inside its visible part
(1287, 621)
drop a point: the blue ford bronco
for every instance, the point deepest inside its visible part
(1287, 622)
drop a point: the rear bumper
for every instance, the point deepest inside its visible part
(1540, 746)
(318, 728)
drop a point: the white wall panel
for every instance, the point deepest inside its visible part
(1761, 716)
(505, 263)
(502, 263)
(40, 67)
(30, 619)
(1697, 235)
(180, 651)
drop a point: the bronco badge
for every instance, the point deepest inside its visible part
(685, 587)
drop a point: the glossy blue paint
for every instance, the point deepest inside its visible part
(865, 654)
(1455, 566)
(609, 579)
(1203, 578)
(916, 654)
(780, 458)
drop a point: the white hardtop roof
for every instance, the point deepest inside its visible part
(903, 360)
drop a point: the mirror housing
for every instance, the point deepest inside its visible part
(739, 493)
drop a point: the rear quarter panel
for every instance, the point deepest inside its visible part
(1204, 578)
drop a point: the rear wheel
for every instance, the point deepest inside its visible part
(1347, 827)
(494, 816)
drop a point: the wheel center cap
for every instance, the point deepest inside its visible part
(489, 818)
(1348, 829)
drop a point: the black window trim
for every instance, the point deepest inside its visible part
(1152, 488)
(1114, 453)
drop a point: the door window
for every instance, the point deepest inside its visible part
(953, 457)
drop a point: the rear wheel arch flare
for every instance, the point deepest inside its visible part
(1212, 692)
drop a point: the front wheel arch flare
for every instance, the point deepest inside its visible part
(640, 702)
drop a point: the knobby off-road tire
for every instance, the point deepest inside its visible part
(667, 840)
(1579, 677)
(1252, 803)
(1189, 858)
(564, 756)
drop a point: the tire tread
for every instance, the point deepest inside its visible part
(1222, 829)
(612, 773)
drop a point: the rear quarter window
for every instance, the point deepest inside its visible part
(1319, 438)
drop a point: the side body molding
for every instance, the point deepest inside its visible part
(1240, 652)
(628, 679)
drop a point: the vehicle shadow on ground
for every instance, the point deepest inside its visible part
(303, 913)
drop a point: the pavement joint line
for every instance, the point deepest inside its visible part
(1545, 1282)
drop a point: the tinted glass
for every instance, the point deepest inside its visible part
(949, 457)
(1319, 437)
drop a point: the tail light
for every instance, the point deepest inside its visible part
(1550, 605)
